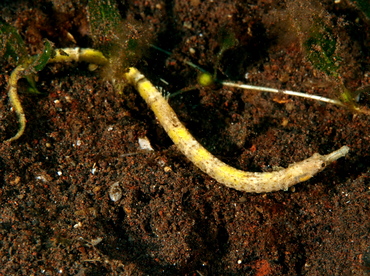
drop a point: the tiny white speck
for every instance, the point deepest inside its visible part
(239, 261)
(78, 142)
(59, 173)
(40, 177)
(77, 225)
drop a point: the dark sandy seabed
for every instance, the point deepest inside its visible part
(56, 216)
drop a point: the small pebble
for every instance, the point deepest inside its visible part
(167, 169)
(115, 192)
(96, 241)
(144, 143)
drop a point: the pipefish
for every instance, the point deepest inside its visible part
(253, 182)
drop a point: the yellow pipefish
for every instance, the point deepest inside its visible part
(240, 180)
